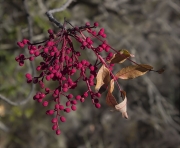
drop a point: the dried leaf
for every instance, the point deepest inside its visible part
(122, 107)
(119, 57)
(110, 99)
(103, 88)
(103, 77)
(133, 71)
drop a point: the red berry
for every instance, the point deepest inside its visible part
(65, 89)
(87, 24)
(73, 107)
(84, 43)
(74, 102)
(45, 103)
(20, 44)
(91, 68)
(58, 132)
(54, 127)
(97, 105)
(96, 101)
(96, 24)
(78, 97)
(63, 119)
(50, 31)
(65, 85)
(98, 95)
(47, 90)
(50, 112)
(25, 41)
(61, 107)
(31, 58)
(57, 106)
(85, 94)
(48, 77)
(28, 75)
(82, 100)
(67, 110)
(107, 48)
(54, 120)
(68, 103)
(70, 96)
(21, 63)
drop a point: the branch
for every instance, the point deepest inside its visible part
(31, 63)
(50, 12)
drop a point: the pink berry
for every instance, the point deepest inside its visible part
(98, 95)
(57, 106)
(73, 107)
(46, 50)
(45, 103)
(87, 24)
(63, 119)
(70, 96)
(67, 110)
(50, 31)
(21, 63)
(31, 58)
(84, 43)
(96, 24)
(73, 70)
(28, 75)
(85, 94)
(65, 85)
(47, 90)
(50, 112)
(96, 101)
(20, 44)
(91, 68)
(25, 41)
(97, 105)
(61, 107)
(74, 102)
(68, 103)
(104, 35)
(65, 89)
(107, 48)
(82, 100)
(54, 127)
(58, 132)
(54, 120)
(78, 97)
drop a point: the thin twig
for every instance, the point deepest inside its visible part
(50, 12)
(30, 29)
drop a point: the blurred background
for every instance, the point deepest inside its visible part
(149, 29)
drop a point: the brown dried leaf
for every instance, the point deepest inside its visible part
(110, 99)
(119, 57)
(103, 77)
(122, 107)
(133, 71)
(103, 88)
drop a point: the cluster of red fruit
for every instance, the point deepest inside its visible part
(61, 63)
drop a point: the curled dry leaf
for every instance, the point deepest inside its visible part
(110, 99)
(103, 88)
(103, 77)
(133, 71)
(119, 57)
(122, 107)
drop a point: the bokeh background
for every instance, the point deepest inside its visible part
(149, 29)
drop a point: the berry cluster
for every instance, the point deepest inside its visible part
(61, 63)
